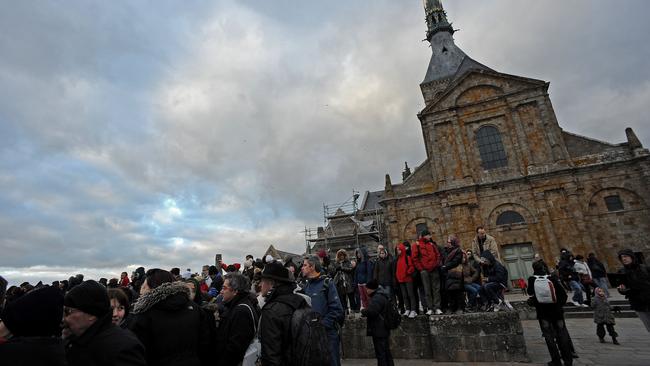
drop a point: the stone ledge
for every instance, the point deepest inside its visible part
(480, 337)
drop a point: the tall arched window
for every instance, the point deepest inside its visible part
(510, 217)
(490, 147)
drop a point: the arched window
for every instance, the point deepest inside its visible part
(490, 147)
(510, 217)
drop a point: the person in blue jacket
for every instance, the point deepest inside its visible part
(363, 274)
(325, 301)
(496, 280)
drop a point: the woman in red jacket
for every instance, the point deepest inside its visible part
(404, 270)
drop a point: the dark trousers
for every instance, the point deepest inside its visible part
(600, 330)
(382, 351)
(456, 300)
(335, 347)
(557, 337)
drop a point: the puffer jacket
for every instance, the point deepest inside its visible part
(383, 271)
(171, 326)
(404, 267)
(452, 268)
(426, 256)
(602, 311)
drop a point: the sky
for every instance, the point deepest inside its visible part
(159, 133)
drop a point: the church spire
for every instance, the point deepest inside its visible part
(436, 18)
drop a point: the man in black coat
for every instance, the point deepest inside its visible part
(31, 331)
(551, 318)
(376, 326)
(91, 337)
(238, 321)
(636, 286)
(275, 326)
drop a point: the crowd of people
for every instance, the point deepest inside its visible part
(271, 311)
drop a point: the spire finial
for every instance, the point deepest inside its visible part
(436, 18)
(406, 172)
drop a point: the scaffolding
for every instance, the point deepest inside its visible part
(346, 226)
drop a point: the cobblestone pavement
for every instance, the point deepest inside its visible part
(634, 349)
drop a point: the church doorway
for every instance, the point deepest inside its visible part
(518, 259)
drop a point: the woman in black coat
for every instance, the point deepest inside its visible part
(170, 326)
(452, 270)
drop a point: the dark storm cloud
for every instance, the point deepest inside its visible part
(162, 133)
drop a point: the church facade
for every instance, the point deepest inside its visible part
(497, 157)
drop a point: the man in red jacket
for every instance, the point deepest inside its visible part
(426, 258)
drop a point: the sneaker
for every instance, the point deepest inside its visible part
(602, 340)
(429, 312)
(508, 305)
(438, 312)
(584, 305)
(412, 314)
(615, 341)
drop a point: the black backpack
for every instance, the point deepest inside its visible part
(392, 319)
(309, 342)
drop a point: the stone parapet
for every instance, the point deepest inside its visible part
(480, 337)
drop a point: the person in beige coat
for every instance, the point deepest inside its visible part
(482, 241)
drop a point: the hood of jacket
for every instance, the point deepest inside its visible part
(363, 251)
(630, 253)
(169, 296)
(488, 255)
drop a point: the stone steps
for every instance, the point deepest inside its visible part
(621, 309)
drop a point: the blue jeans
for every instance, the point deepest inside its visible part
(472, 290)
(335, 343)
(577, 291)
(491, 292)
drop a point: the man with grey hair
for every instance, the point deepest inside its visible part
(325, 301)
(238, 319)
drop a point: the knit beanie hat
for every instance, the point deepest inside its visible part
(276, 271)
(372, 284)
(89, 297)
(35, 314)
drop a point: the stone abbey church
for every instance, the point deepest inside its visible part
(497, 157)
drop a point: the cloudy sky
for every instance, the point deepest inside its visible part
(160, 133)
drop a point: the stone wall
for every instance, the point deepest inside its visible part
(481, 337)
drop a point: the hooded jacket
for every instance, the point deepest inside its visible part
(383, 271)
(637, 282)
(363, 271)
(172, 328)
(375, 313)
(426, 256)
(452, 267)
(493, 270)
(404, 266)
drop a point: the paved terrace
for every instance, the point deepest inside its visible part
(633, 351)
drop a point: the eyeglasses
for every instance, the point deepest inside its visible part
(67, 311)
(225, 287)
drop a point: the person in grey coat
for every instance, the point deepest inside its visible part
(603, 316)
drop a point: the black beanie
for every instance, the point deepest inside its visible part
(372, 284)
(89, 297)
(35, 314)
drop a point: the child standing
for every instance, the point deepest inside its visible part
(603, 316)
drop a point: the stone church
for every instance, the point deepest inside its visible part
(497, 157)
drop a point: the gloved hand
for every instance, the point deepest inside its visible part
(212, 292)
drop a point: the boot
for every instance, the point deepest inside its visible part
(602, 340)
(615, 341)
